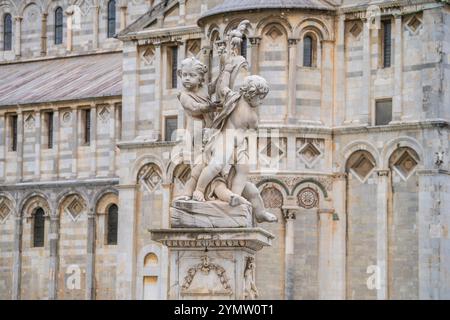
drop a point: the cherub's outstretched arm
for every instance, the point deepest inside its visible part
(196, 108)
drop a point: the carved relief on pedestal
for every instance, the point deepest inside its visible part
(206, 279)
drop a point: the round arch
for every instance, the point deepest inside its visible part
(358, 145)
(397, 143)
(281, 22)
(33, 201)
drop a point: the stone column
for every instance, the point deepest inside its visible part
(325, 254)
(339, 82)
(326, 107)
(37, 146)
(126, 249)
(69, 14)
(113, 137)
(90, 264)
(158, 87)
(382, 232)
(56, 123)
(44, 34)
(204, 6)
(123, 16)
(75, 141)
(339, 237)
(20, 140)
(363, 113)
(95, 13)
(93, 143)
(54, 255)
(254, 48)
(292, 80)
(182, 10)
(289, 217)
(131, 87)
(18, 34)
(17, 257)
(181, 57)
(398, 70)
(165, 214)
(3, 147)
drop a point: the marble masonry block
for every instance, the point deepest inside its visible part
(210, 214)
(216, 263)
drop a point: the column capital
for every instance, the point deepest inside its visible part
(18, 18)
(340, 175)
(292, 41)
(383, 173)
(54, 217)
(289, 213)
(91, 213)
(255, 41)
(329, 211)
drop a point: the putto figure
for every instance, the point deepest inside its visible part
(218, 193)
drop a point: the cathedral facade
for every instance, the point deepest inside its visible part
(357, 174)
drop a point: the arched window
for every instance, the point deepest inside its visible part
(39, 228)
(244, 47)
(113, 222)
(7, 33)
(58, 25)
(111, 18)
(308, 51)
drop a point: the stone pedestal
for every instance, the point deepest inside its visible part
(212, 263)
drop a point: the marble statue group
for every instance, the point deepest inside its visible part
(218, 193)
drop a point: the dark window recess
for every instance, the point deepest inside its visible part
(113, 222)
(111, 18)
(307, 51)
(383, 112)
(7, 33)
(14, 133)
(50, 130)
(39, 228)
(58, 25)
(87, 127)
(387, 44)
(244, 47)
(171, 125)
(174, 63)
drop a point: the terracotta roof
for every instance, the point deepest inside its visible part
(64, 79)
(243, 5)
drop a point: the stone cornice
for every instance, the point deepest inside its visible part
(146, 144)
(403, 6)
(60, 184)
(160, 35)
(400, 126)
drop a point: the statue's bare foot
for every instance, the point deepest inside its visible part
(237, 200)
(182, 198)
(198, 196)
(266, 217)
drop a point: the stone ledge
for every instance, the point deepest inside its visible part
(200, 238)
